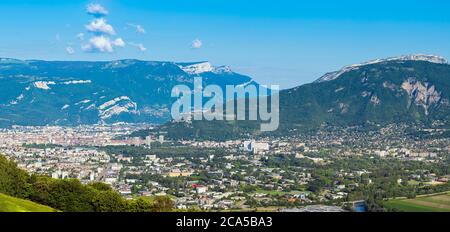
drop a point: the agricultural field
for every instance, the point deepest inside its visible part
(12, 204)
(432, 203)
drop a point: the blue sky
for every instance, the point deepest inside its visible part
(281, 42)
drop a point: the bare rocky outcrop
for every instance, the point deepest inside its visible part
(422, 94)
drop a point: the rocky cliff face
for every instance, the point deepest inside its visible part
(422, 94)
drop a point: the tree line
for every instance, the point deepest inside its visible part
(71, 195)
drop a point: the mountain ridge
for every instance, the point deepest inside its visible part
(415, 57)
(36, 92)
(413, 92)
(412, 88)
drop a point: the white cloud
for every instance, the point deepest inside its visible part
(70, 50)
(102, 44)
(197, 44)
(139, 29)
(96, 10)
(119, 42)
(100, 26)
(57, 37)
(101, 32)
(80, 36)
(139, 46)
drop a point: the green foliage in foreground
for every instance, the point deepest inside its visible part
(71, 195)
(12, 204)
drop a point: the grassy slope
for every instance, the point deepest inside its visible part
(11, 204)
(438, 203)
(409, 206)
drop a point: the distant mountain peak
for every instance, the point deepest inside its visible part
(203, 67)
(197, 68)
(222, 69)
(120, 63)
(10, 61)
(417, 57)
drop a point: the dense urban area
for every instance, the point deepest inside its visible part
(330, 170)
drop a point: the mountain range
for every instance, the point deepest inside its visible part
(407, 89)
(35, 92)
(410, 89)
